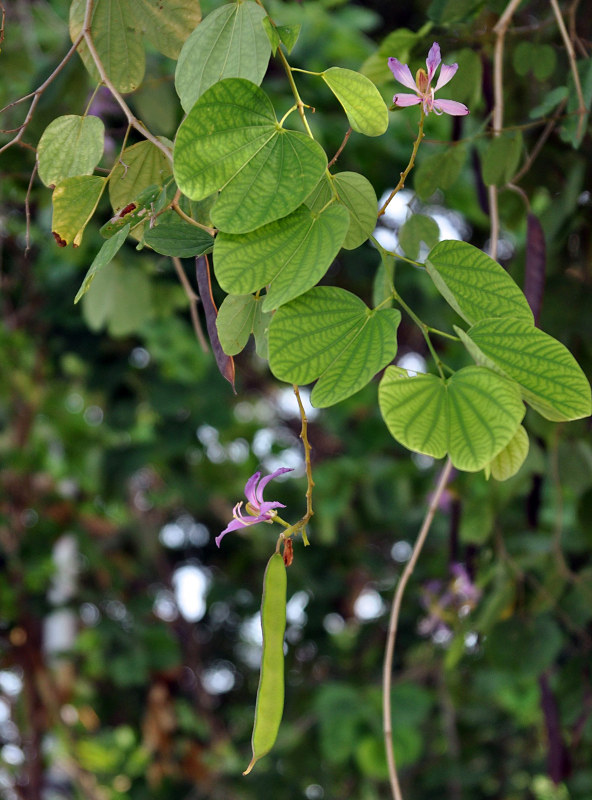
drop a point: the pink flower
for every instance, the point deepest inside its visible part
(422, 85)
(258, 509)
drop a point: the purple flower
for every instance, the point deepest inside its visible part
(258, 509)
(422, 85)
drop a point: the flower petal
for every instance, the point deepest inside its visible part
(433, 60)
(402, 73)
(451, 107)
(265, 481)
(235, 525)
(251, 489)
(268, 506)
(447, 72)
(403, 100)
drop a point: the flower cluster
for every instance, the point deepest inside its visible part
(447, 602)
(422, 85)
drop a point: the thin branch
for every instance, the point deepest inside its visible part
(307, 453)
(408, 168)
(28, 210)
(581, 110)
(341, 148)
(193, 301)
(36, 95)
(392, 632)
(540, 142)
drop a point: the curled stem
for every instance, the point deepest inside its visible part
(392, 631)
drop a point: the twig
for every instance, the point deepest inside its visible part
(36, 96)
(133, 121)
(341, 148)
(193, 301)
(28, 210)
(581, 110)
(500, 31)
(408, 168)
(392, 631)
(572, 11)
(307, 452)
(540, 142)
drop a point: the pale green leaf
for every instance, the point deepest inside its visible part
(471, 416)
(70, 146)
(320, 195)
(172, 236)
(501, 158)
(117, 42)
(475, 285)
(142, 165)
(417, 229)
(166, 23)
(439, 171)
(362, 102)
(236, 321)
(549, 376)
(107, 253)
(288, 256)
(330, 334)
(231, 142)
(272, 34)
(510, 459)
(120, 297)
(289, 35)
(231, 42)
(74, 202)
(358, 196)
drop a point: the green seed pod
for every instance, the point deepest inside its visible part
(270, 695)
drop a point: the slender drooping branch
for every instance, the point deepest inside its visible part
(193, 301)
(307, 461)
(392, 631)
(571, 54)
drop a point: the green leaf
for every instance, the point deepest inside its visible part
(362, 102)
(467, 84)
(550, 101)
(172, 236)
(142, 165)
(106, 254)
(417, 229)
(231, 42)
(549, 376)
(165, 23)
(231, 142)
(74, 202)
(399, 42)
(358, 196)
(238, 317)
(289, 35)
(330, 334)
(272, 34)
(501, 158)
(471, 416)
(120, 298)
(439, 171)
(320, 195)
(573, 130)
(289, 255)
(70, 146)
(510, 459)
(525, 646)
(117, 43)
(475, 285)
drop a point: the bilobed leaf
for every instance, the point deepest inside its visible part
(107, 253)
(289, 35)
(330, 334)
(231, 142)
(439, 171)
(70, 146)
(117, 42)
(417, 229)
(362, 102)
(510, 459)
(358, 196)
(236, 321)
(501, 158)
(142, 165)
(475, 285)
(549, 376)
(272, 34)
(289, 255)
(172, 236)
(74, 202)
(471, 416)
(231, 42)
(166, 23)
(320, 195)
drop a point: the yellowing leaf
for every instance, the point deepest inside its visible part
(74, 203)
